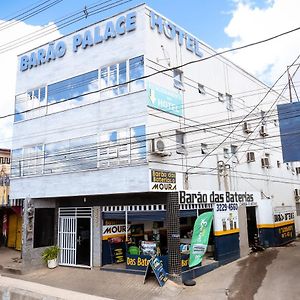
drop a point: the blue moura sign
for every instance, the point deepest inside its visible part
(86, 39)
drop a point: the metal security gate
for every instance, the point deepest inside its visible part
(71, 236)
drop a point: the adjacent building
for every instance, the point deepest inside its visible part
(128, 129)
(10, 210)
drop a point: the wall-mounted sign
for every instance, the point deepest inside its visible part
(162, 181)
(289, 124)
(82, 40)
(283, 214)
(196, 197)
(110, 231)
(164, 100)
(172, 32)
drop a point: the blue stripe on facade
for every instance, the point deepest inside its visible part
(227, 248)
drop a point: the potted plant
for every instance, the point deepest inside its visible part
(50, 255)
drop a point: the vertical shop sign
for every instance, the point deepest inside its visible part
(200, 238)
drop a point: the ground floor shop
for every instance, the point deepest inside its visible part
(123, 231)
(11, 225)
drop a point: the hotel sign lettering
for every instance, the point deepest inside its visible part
(84, 40)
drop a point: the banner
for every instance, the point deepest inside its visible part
(200, 238)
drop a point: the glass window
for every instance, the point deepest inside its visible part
(201, 89)
(178, 79)
(30, 104)
(226, 152)
(112, 76)
(204, 148)
(123, 88)
(73, 92)
(83, 153)
(234, 149)
(138, 143)
(180, 147)
(16, 163)
(136, 71)
(33, 160)
(44, 225)
(57, 157)
(229, 102)
(20, 107)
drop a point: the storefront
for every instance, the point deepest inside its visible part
(132, 234)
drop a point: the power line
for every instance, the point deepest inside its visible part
(41, 7)
(244, 118)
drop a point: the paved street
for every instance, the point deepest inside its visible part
(272, 274)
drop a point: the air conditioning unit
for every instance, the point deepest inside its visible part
(250, 157)
(297, 195)
(265, 162)
(263, 131)
(158, 147)
(247, 128)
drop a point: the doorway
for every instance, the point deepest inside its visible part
(83, 242)
(251, 224)
(74, 237)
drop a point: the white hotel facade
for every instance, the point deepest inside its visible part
(97, 114)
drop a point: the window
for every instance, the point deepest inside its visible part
(204, 148)
(201, 89)
(138, 143)
(263, 117)
(114, 75)
(234, 150)
(30, 104)
(298, 208)
(229, 102)
(16, 163)
(226, 152)
(221, 97)
(72, 92)
(122, 147)
(71, 155)
(297, 169)
(178, 79)
(33, 160)
(118, 74)
(44, 220)
(278, 164)
(180, 146)
(136, 70)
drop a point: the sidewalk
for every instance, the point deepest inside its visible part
(246, 274)
(19, 289)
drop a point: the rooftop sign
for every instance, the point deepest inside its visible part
(172, 32)
(84, 40)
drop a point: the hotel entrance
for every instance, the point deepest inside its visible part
(74, 236)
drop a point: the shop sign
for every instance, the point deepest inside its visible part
(82, 40)
(225, 198)
(200, 238)
(4, 160)
(286, 232)
(173, 32)
(162, 181)
(157, 267)
(109, 231)
(283, 214)
(164, 100)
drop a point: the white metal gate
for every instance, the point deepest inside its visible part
(67, 233)
(67, 240)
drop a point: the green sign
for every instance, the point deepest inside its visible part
(200, 238)
(164, 100)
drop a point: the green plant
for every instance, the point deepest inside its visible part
(50, 253)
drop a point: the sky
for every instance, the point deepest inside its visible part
(222, 24)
